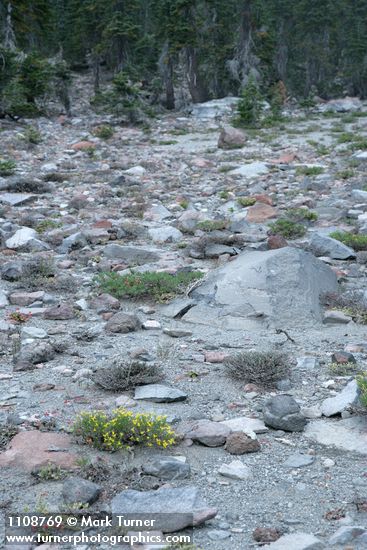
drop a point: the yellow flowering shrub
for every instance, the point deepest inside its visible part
(122, 429)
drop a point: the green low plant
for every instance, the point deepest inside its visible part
(287, 228)
(345, 174)
(362, 385)
(104, 132)
(309, 170)
(262, 368)
(49, 472)
(357, 242)
(160, 286)
(343, 369)
(122, 429)
(246, 201)
(32, 135)
(46, 225)
(7, 167)
(124, 375)
(212, 225)
(301, 214)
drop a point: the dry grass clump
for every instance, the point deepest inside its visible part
(124, 375)
(263, 368)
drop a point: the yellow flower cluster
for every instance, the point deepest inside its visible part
(123, 429)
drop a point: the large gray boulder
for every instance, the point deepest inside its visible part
(276, 288)
(172, 509)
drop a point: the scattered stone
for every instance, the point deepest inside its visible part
(246, 425)
(16, 199)
(32, 449)
(11, 271)
(347, 397)
(321, 245)
(159, 394)
(231, 138)
(123, 323)
(334, 317)
(215, 356)
(235, 470)
(210, 434)
(342, 357)
(61, 312)
(345, 534)
(33, 354)
(173, 508)
(151, 324)
(34, 332)
(282, 412)
(238, 443)
(250, 170)
(130, 254)
(79, 490)
(296, 541)
(21, 238)
(167, 468)
(166, 234)
(299, 460)
(177, 333)
(26, 298)
(105, 303)
(260, 212)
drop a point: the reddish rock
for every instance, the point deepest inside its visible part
(238, 443)
(83, 145)
(276, 241)
(285, 159)
(201, 163)
(342, 357)
(26, 298)
(61, 312)
(102, 224)
(260, 212)
(266, 534)
(32, 449)
(215, 356)
(263, 198)
(65, 264)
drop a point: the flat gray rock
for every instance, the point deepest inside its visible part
(235, 470)
(172, 508)
(261, 289)
(299, 460)
(208, 433)
(347, 397)
(346, 533)
(159, 393)
(16, 199)
(135, 254)
(321, 245)
(250, 170)
(79, 490)
(349, 434)
(166, 467)
(21, 238)
(296, 541)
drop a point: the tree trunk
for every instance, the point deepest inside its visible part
(197, 87)
(165, 65)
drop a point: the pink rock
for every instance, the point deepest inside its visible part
(25, 298)
(215, 356)
(28, 450)
(83, 145)
(260, 212)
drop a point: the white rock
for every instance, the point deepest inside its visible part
(151, 324)
(348, 434)
(250, 170)
(136, 171)
(21, 238)
(3, 299)
(235, 470)
(125, 401)
(247, 425)
(34, 332)
(49, 167)
(328, 463)
(347, 397)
